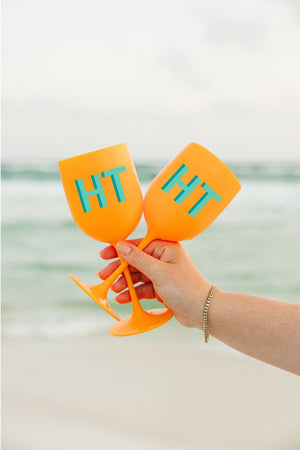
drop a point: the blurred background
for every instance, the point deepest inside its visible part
(79, 76)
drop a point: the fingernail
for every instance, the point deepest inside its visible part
(123, 248)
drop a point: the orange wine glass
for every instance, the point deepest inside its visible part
(181, 202)
(105, 200)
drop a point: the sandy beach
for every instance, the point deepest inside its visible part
(131, 393)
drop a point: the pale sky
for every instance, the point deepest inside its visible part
(82, 75)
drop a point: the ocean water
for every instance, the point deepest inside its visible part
(253, 247)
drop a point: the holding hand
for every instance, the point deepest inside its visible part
(166, 273)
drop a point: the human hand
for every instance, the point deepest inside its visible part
(166, 273)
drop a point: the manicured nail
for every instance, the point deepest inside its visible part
(123, 248)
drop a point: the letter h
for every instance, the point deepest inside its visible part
(84, 195)
(186, 188)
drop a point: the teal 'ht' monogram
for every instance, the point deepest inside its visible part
(98, 191)
(188, 188)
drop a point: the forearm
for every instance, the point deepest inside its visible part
(265, 329)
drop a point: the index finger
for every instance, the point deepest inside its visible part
(110, 251)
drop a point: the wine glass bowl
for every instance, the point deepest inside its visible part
(188, 194)
(103, 192)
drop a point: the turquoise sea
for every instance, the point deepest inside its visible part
(253, 247)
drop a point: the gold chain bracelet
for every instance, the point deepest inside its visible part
(205, 311)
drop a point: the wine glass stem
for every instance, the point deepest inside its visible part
(146, 240)
(136, 306)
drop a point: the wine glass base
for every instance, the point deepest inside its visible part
(141, 323)
(103, 303)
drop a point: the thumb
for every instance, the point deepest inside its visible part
(148, 265)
